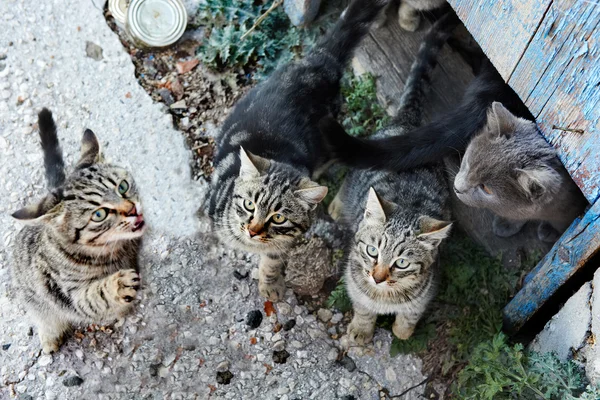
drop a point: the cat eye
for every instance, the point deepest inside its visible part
(249, 205)
(485, 189)
(99, 215)
(123, 187)
(401, 263)
(372, 251)
(278, 219)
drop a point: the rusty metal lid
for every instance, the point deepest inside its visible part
(118, 9)
(156, 23)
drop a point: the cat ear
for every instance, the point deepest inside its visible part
(375, 211)
(500, 121)
(90, 150)
(433, 230)
(311, 192)
(252, 166)
(535, 182)
(41, 212)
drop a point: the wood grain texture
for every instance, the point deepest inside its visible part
(559, 80)
(577, 245)
(388, 54)
(503, 28)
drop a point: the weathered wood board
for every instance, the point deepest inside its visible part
(388, 53)
(577, 245)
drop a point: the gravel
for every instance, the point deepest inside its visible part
(191, 312)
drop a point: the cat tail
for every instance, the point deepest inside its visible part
(428, 144)
(409, 114)
(53, 159)
(353, 25)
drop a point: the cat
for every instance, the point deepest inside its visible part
(391, 261)
(263, 197)
(511, 170)
(75, 261)
(445, 135)
(409, 16)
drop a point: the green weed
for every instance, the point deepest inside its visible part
(362, 114)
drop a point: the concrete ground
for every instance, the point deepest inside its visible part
(189, 328)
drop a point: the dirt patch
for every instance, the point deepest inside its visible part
(198, 99)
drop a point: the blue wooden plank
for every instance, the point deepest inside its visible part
(558, 77)
(577, 245)
(503, 28)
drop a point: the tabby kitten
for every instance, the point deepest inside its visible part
(76, 259)
(262, 195)
(391, 263)
(511, 170)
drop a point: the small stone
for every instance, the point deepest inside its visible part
(276, 337)
(337, 317)
(72, 381)
(254, 319)
(280, 357)
(289, 324)
(298, 310)
(93, 51)
(324, 314)
(180, 105)
(24, 396)
(166, 96)
(79, 354)
(333, 354)
(154, 369)
(44, 360)
(302, 354)
(254, 274)
(278, 346)
(222, 367)
(6, 346)
(301, 12)
(239, 276)
(284, 308)
(347, 363)
(186, 66)
(224, 377)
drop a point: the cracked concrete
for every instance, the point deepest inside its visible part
(190, 321)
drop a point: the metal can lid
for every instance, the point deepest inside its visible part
(118, 9)
(156, 23)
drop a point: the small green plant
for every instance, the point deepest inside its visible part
(362, 114)
(339, 298)
(498, 371)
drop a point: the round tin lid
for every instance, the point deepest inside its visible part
(156, 23)
(118, 9)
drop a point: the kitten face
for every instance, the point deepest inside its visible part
(98, 204)
(393, 255)
(502, 172)
(271, 206)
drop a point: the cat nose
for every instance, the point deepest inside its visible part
(252, 233)
(132, 211)
(378, 279)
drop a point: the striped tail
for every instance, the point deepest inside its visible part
(53, 160)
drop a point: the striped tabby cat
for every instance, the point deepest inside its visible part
(391, 263)
(262, 195)
(76, 260)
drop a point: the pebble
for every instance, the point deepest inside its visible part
(6, 346)
(223, 366)
(289, 324)
(324, 314)
(279, 345)
(79, 354)
(280, 357)
(72, 381)
(254, 319)
(333, 354)
(298, 310)
(284, 309)
(337, 317)
(224, 377)
(347, 363)
(154, 369)
(44, 360)
(239, 276)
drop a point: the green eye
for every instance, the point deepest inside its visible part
(372, 251)
(249, 205)
(123, 187)
(401, 263)
(99, 215)
(278, 219)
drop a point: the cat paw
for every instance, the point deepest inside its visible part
(50, 344)
(125, 285)
(272, 291)
(403, 331)
(547, 233)
(506, 228)
(358, 335)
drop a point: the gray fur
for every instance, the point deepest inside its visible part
(404, 216)
(70, 269)
(511, 170)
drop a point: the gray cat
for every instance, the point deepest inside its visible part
(76, 260)
(399, 222)
(511, 170)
